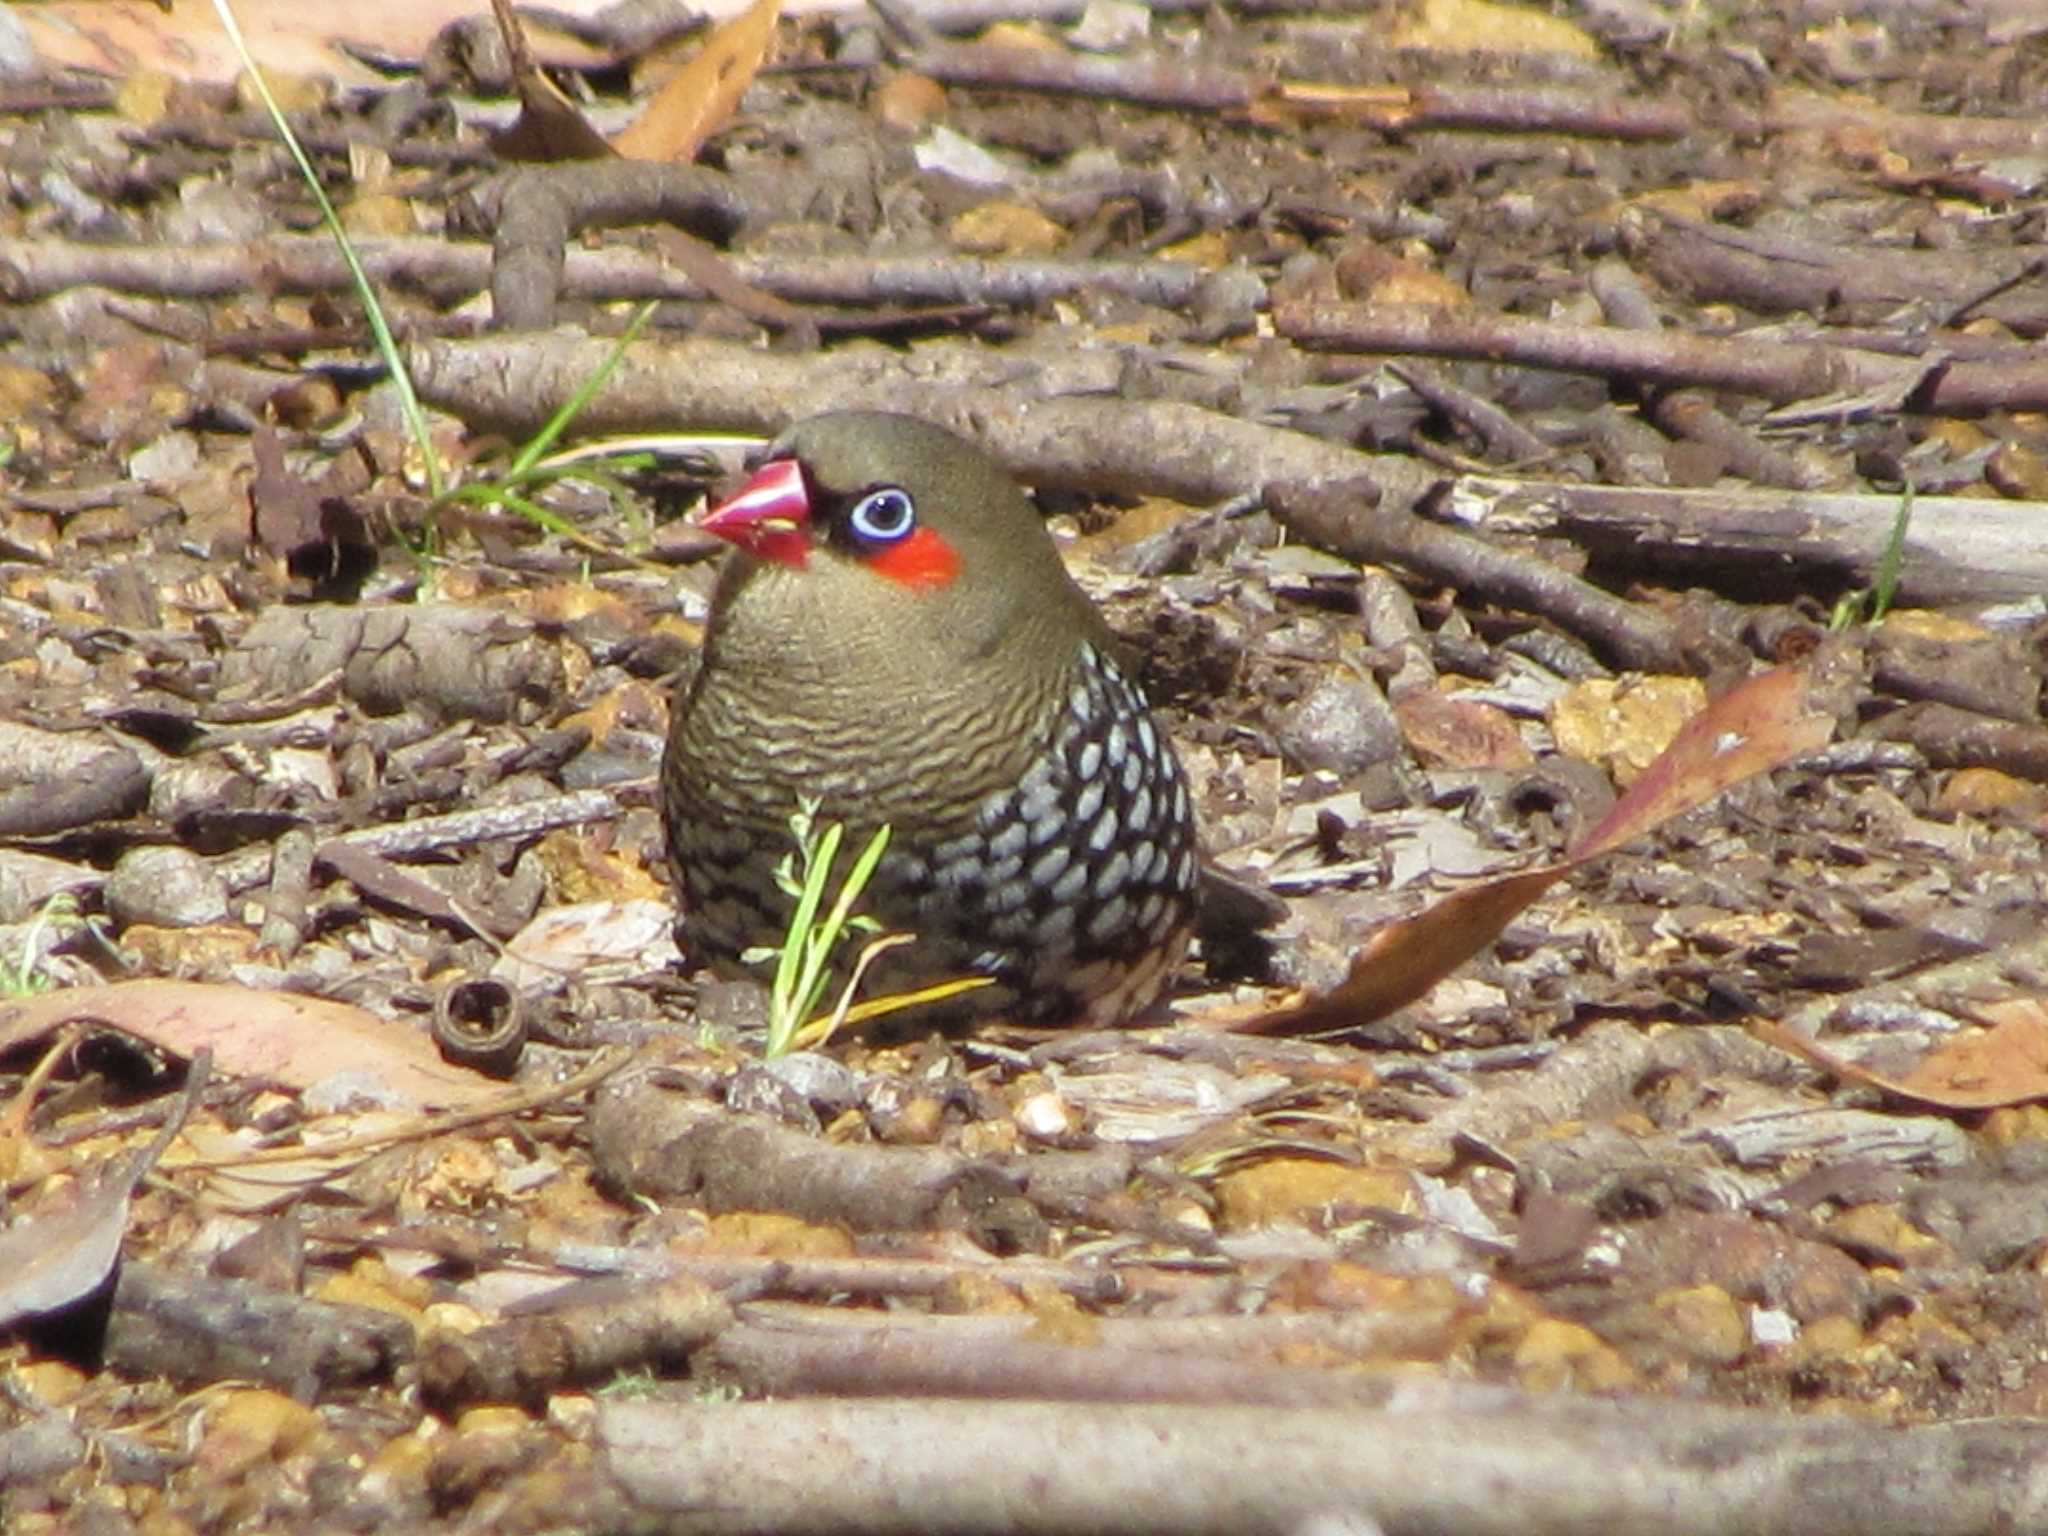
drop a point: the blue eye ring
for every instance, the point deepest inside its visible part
(883, 516)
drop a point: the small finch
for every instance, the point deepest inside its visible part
(895, 638)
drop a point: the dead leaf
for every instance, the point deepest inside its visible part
(1993, 1068)
(54, 1257)
(1754, 726)
(380, 879)
(550, 128)
(1404, 960)
(286, 512)
(248, 1188)
(699, 262)
(1446, 731)
(276, 1036)
(703, 96)
(2009, 1059)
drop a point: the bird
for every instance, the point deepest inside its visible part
(894, 640)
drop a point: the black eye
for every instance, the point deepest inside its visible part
(882, 517)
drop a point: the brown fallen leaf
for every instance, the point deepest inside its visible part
(378, 877)
(1445, 731)
(56, 1256)
(1758, 724)
(549, 128)
(1754, 726)
(276, 1036)
(701, 98)
(184, 38)
(2002, 1065)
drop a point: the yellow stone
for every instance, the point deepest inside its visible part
(2020, 1122)
(1929, 624)
(454, 1317)
(1481, 26)
(246, 1427)
(776, 1236)
(1703, 200)
(52, 1382)
(24, 389)
(1208, 249)
(1987, 792)
(908, 101)
(1018, 34)
(1958, 437)
(398, 1472)
(379, 214)
(989, 1138)
(1706, 1320)
(144, 97)
(293, 93)
(370, 1282)
(968, 1294)
(1056, 1318)
(1555, 1355)
(1622, 724)
(2017, 471)
(1407, 283)
(1837, 1337)
(1300, 1188)
(1883, 1227)
(200, 951)
(493, 1419)
(1005, 229)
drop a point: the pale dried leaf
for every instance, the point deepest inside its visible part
(704, 94)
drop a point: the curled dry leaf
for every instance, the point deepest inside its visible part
(59, 1255)
(550, 126)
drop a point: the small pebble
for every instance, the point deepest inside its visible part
(170, 887)
(1343, 724)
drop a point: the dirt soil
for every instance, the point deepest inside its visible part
(1444, 402)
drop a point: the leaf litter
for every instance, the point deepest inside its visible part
(1465, 1159)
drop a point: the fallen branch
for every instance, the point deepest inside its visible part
(1958, 549)
(1861, 282)
(1774, 370)
(1062, 421)
(1127, 1360)
(450, 271)
(1470, 1460)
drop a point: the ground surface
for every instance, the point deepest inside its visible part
(1320, 387)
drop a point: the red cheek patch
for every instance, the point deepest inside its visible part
(924, 560)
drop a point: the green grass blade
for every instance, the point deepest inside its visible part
(551, 432)
(800, 967)
(387, 344)
(856, 881)
(1893, 559)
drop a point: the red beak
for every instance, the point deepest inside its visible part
(769, 516)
